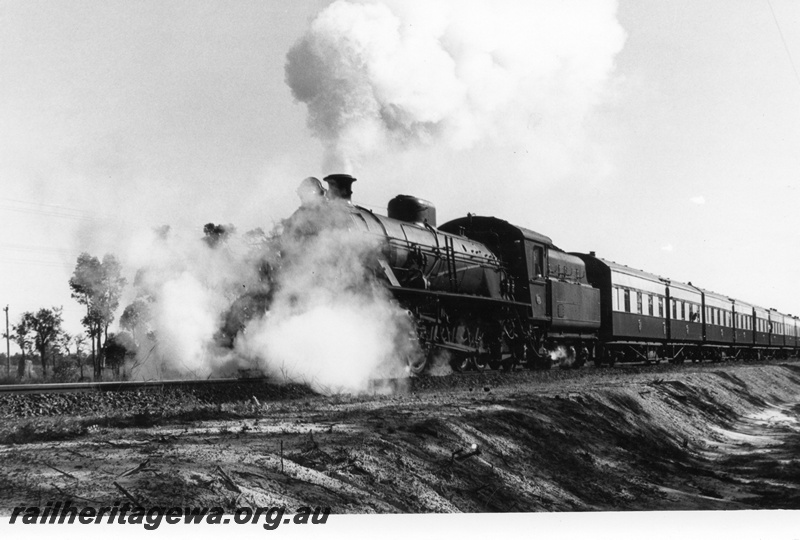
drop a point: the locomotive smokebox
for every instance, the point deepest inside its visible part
(339, 186)
(413, 210)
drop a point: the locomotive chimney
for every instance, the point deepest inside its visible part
(339, 186)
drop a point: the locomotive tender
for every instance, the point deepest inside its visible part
(494, 295)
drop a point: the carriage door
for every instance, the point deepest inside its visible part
(535, 255)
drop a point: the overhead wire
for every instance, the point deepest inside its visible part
(783, 40)
(54, 210)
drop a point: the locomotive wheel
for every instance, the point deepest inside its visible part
(463, 334)
(572, 360)
(418, 364)
(462, 362)
(480, 362)
(502, 354)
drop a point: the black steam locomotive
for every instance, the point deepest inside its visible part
(495, 295)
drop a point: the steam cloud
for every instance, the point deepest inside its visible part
(385, 74)
(186, 285)
(330, 324)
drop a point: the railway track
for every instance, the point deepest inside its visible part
(413, 383)
(122, 386)
(152, 400)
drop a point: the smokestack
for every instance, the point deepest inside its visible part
(339, 186)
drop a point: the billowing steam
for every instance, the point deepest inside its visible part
(330, 324)
(374, 74)
(183, 287)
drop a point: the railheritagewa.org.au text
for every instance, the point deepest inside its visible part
(66, 512)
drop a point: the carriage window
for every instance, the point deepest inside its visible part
(615, 299)
(660, 306)
(639, 302)
(627, 301)
(683, 311)
(650, 304)
(675, 310)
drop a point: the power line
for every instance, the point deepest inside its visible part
(50, 264)
(44, 212)
(55, 210)
(23, 247)
(783, 40)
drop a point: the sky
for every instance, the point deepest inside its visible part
(661, 135)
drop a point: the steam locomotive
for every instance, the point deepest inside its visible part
(485, 293)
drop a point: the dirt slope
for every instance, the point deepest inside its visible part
(687, 439)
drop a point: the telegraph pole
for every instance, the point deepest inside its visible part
(8, 346)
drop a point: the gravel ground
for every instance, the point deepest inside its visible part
(657, 438)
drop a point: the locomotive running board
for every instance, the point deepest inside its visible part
(458, 297)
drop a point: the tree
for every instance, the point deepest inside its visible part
(66, 341)
(217, 234)
(118, 347)
(80, 341)
(22, 337)
(44, 328)
(135, 317)
(98, 286)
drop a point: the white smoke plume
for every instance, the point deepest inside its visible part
(330, 324)
(381, 74)
(186, 285)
